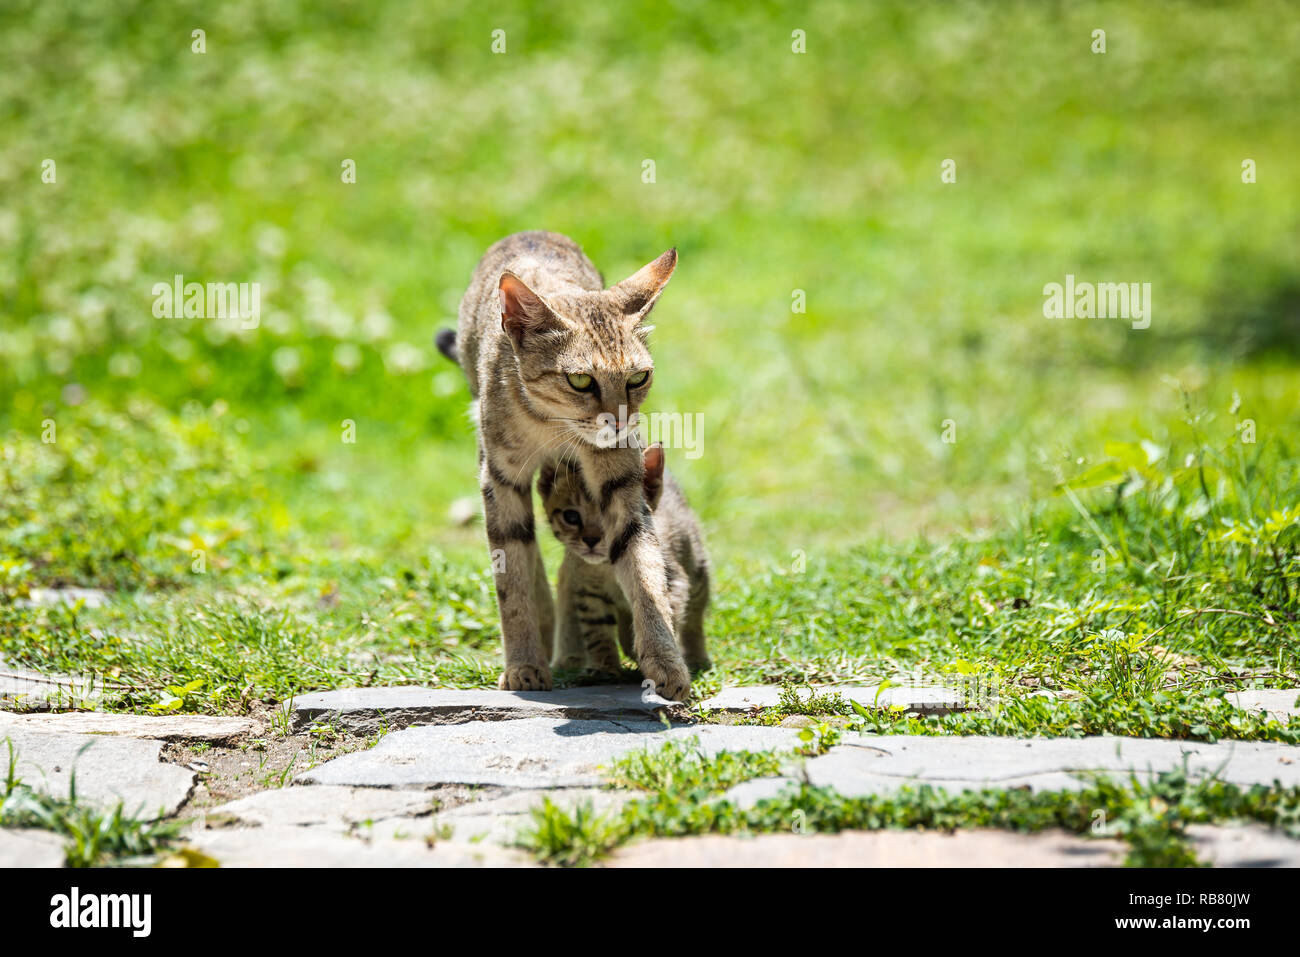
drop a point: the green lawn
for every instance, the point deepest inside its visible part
(1117, 518)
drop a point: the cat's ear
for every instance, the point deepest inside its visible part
(522, 310)
(637, 293)
(653, 478)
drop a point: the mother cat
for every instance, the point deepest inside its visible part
(558, 366)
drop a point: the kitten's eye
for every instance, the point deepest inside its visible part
(580, 381)
(638, 378)
(572, 517)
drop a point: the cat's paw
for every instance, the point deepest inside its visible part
(571, 662)
(699, 664)
(525, 678)
(670, 677)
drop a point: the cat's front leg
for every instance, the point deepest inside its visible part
(638, 563)
(512, 541)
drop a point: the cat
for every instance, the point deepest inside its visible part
(558, 366)
(592, 608)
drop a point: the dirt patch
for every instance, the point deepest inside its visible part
(256, 764)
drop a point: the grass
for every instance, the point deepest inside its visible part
(917, 474)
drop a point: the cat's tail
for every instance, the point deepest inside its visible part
(445, 340)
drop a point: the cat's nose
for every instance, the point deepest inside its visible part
(591, 540)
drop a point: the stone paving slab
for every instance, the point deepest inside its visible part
(871, 764)
(525, 753)
(337, 807)
(500, 819)
(30, 848)
(22, 689)
(288, 846)
(366, 710)
(44, 597)
(217, 730)
(917, 700)
(968, 848)
(1244, 845)
(1280, 705)
(111, 769)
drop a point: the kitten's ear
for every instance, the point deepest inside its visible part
(653, 479)
(637, 293)
(522, 310)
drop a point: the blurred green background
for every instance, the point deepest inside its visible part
(775, 171)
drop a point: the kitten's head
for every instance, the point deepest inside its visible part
(582, 357)
(576, 519)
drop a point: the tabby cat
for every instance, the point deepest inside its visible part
(558, 365)
(592, 607)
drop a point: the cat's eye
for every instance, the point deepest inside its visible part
(580, 381)
(572, 517)
(638, 378)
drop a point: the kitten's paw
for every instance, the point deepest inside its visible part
(699, 664)
(571, 662)
(525, 678)
(670, 677)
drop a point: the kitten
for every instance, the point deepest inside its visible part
(557, 366)
(592, 608)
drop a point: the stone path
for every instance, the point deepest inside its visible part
(457, 774)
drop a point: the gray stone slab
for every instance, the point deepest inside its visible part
(1244, 845)
(500, 820)
(525, 753)
(368, 709)
(217, 730)
(871, 764)
(1280, 705)
(30, 848)
(336, 807)
(109, 770)
(22, 689)
(746, 795)
(288, 846)
(43, 597)
(917, 700)
(932, 849)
